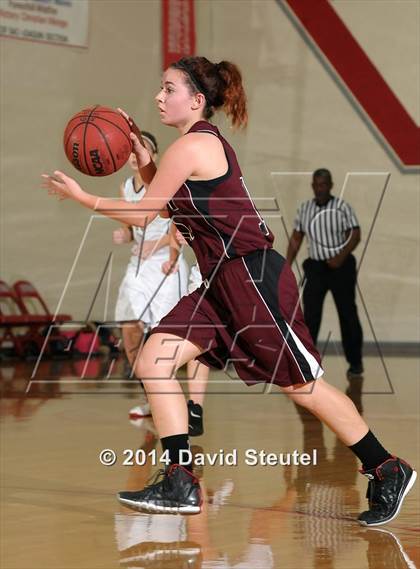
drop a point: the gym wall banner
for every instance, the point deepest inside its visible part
(63, 22)
(178, 30)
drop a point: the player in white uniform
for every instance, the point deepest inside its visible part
(148, 291)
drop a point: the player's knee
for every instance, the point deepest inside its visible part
(149, 369)
(303, 398)
(145, 369)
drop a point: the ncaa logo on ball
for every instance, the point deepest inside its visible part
(96, 161)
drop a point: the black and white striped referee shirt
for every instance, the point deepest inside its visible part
(325, 226)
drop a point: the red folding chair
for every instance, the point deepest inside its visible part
(9, 305)
(20, 313)
(12, 320)
(33, 304)
(35, 308)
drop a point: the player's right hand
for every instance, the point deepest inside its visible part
(142, 154)
(121, 235)
(134, 128)
(139, 148)
(168, 267)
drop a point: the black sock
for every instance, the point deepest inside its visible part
(370, 451)
(193, 404)
(174, 444)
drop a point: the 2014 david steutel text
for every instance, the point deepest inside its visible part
(222, 457)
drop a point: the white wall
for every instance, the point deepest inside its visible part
(300, 119)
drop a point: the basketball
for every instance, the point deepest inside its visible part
(97, 141)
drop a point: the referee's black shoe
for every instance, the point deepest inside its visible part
(178, 492)
(389, 484)
(355, 371)
(195, 419)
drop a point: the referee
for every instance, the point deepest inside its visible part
(332, 233)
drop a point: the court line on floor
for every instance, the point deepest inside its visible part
(331, 516)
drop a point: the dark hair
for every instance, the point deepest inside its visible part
(151, 140)
(220, 83)
(322, 172)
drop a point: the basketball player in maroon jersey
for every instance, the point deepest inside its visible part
(247, 310)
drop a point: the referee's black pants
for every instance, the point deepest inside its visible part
(320, 278)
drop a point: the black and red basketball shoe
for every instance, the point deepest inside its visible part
(178, 492)
(389, 484)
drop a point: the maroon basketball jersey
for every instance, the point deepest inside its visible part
(218, 217)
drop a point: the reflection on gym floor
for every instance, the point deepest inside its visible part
(58, 500)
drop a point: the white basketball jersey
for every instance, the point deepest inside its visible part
(155, 229)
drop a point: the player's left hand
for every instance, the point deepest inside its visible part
(144, 250)
(168, 267)
(180, 238)
(61, 186)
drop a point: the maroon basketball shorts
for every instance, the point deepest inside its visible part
(249, 315)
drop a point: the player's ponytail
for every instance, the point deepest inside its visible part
(233, 93)
(220, 83)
